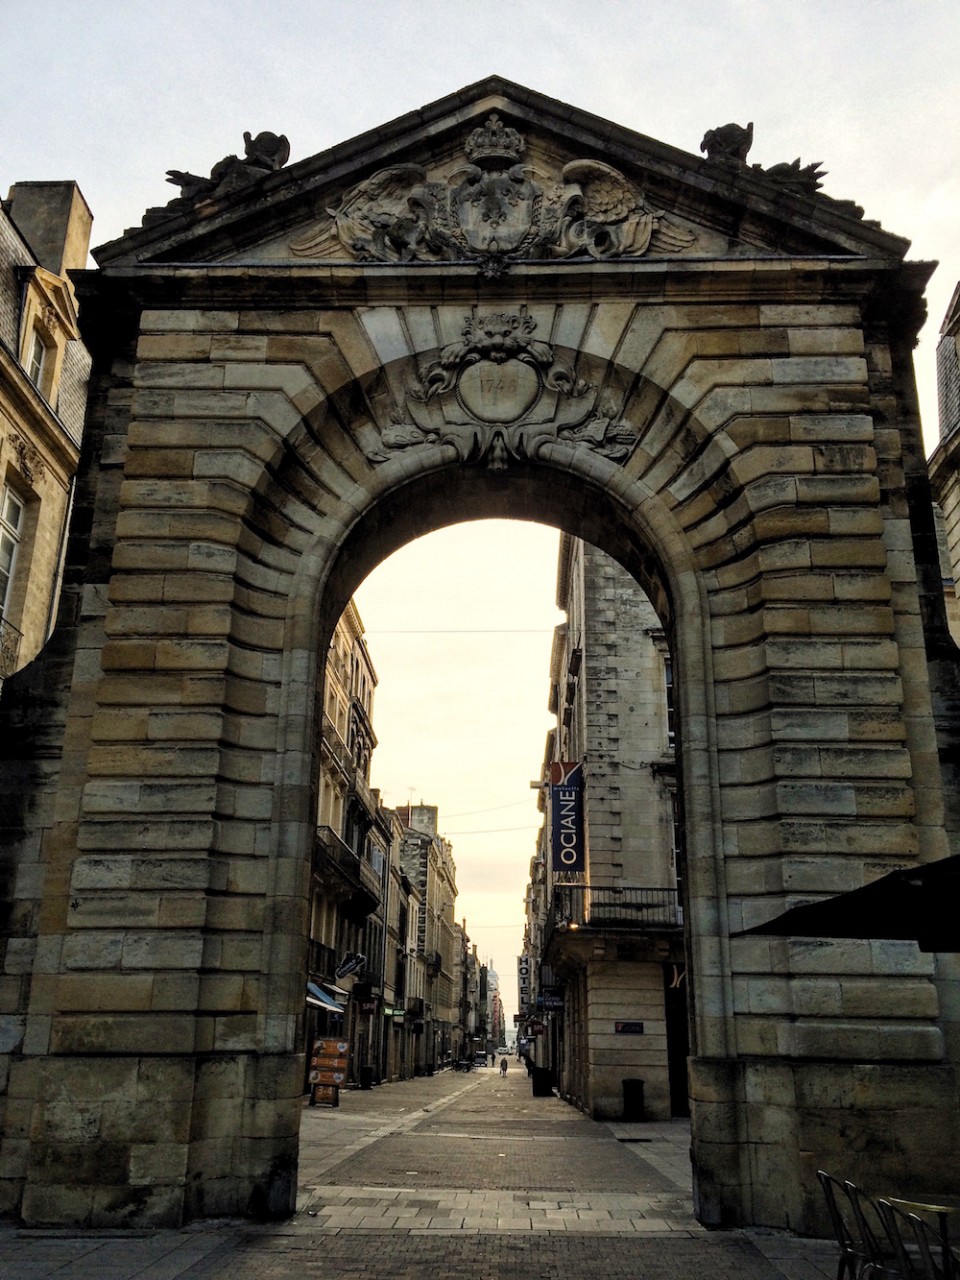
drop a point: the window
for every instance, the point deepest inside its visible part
(668, 686)
(36, 359)
(11, 526)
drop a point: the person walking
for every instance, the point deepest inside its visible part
(503, 1066)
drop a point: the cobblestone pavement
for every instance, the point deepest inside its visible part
(452, 1176)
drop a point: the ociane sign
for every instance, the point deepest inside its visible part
(566, 796)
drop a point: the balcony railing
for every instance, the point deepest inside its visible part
(336, 746)
(642, 910)
(371, 880)
(10, 639)
(330, 852)
(322, 960)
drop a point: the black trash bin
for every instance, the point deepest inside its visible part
(366, 1077)
(632, 1100)
(542, 1082)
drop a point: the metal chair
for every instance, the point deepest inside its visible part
(852, 1260)
(882, 1262)
(921, 1249)
(902, 1239)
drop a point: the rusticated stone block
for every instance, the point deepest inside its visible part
(186, 320)
(143, 1032)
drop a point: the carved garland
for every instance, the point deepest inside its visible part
(29, 460)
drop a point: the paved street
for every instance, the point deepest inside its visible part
(454, 1175)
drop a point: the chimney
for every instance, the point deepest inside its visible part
(55, 221)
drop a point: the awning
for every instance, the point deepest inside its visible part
(917, 904)
(317, 997)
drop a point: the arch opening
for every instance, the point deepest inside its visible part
(626, 897)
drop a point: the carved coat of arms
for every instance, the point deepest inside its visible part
(496, 209)
(497, 395)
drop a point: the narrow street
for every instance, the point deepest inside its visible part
(449, 1176)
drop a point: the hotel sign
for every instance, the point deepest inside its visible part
(523, 980)
(566, 814)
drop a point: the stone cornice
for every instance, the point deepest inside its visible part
(944, 466)
(674, 281)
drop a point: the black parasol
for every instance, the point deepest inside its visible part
(919, 904)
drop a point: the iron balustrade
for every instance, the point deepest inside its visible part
(331, 852)
(336, 746)
(644, 910)
(322, 961)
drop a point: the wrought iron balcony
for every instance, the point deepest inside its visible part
(331, 855)
(577, 906)
(322, 961)
(337, 747)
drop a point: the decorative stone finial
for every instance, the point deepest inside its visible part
(264, 153)
(799, 180)
(268, 151)
(728, 144)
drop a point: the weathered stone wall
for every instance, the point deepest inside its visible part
(628, 808)
(234, 500)
(617, 991)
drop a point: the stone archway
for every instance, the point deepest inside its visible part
(737, 427)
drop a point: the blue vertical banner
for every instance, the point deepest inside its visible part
(566, 812)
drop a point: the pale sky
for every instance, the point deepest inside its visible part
(113, 94)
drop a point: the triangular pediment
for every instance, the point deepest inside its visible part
(57, 295)
(497, 174)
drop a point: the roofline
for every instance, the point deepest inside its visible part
(951, 319)
(349, 160)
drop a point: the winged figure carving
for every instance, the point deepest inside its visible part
(495, 210)
(386, 218)
(611, 217)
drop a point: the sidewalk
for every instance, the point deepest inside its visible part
(448, 1176)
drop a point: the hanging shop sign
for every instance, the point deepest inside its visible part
(566, 814)
(550, 998)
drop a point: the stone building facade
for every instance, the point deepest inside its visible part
(404, 975)
(944, 462)
(351, 860)
(611, 936)
(427, 860)
(384, 946)
(496, 305)
(44, 234)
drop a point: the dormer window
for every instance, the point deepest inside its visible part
(36, 360)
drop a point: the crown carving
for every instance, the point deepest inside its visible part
(495, 141)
